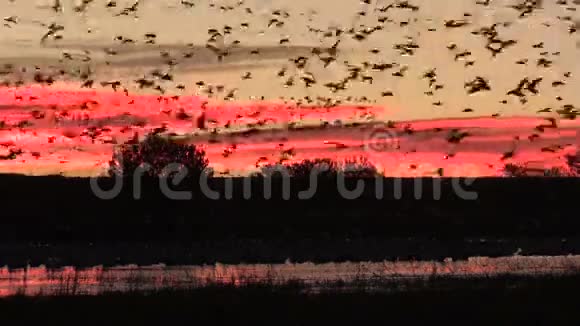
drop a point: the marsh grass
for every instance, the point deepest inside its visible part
(504, 299)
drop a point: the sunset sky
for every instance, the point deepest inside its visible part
(435, 68)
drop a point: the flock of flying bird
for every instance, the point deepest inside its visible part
(295, 73)
(495, 44)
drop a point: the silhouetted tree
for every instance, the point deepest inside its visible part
(154, 154)
(514, 170)
(573, 162)
(325, 168)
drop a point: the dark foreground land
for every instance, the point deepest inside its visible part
(503, 300)
(60, 221)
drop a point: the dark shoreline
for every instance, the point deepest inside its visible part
(506, 300)
(274, 251)
(503, 207)
(59, 221)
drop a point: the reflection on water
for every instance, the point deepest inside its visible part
(98, 280)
